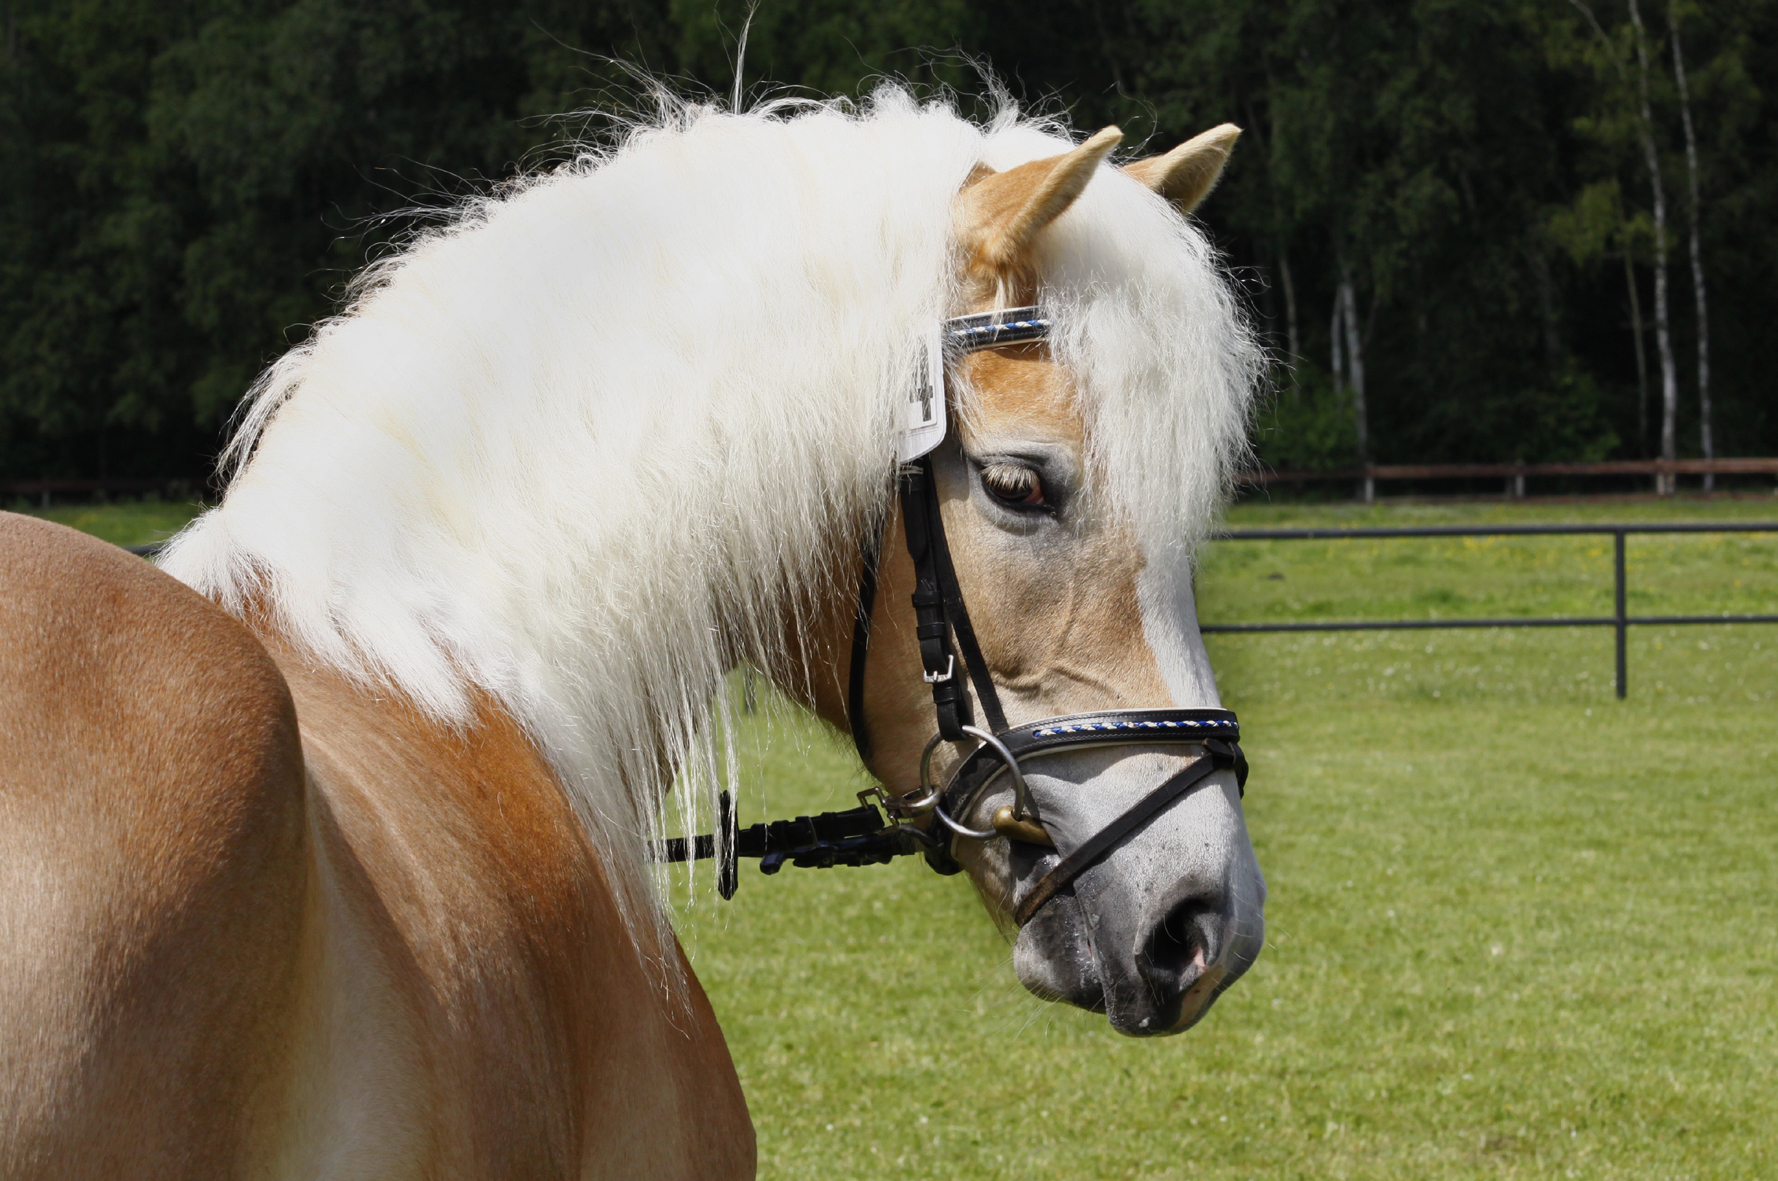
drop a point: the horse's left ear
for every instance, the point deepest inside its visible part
(1186, 175)
(1001, 213)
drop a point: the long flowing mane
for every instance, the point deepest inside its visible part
(582, 449)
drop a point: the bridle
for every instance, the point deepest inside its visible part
(862, 836)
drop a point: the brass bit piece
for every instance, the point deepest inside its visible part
(1011, 827)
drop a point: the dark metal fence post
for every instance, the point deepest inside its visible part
(1623, 670)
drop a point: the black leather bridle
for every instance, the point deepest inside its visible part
(930, 820)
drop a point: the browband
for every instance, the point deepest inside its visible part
(991, 330)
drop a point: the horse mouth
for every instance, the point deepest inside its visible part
(1150, 980)
(1156, 926)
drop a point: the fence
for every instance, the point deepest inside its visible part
(1620, 620)
(44, 489)
(1514, 475)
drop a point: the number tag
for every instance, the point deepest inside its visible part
(923, 428)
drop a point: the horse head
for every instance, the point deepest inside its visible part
(1074, 611)
(565, 462)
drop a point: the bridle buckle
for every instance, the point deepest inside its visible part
(948, 674)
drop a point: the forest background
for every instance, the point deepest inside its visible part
(1483, 230)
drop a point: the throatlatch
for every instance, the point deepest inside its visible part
(865, 835)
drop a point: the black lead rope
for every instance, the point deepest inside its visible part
(856, 836)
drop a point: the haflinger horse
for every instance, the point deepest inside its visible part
(327, 844)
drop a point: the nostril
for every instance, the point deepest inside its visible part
(1180, 946)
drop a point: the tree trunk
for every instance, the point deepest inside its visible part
(1290, 331)
(1641, 353)
(1663, 319)
(1347, 300)
(1691, 168)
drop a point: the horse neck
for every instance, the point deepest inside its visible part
(809, 657)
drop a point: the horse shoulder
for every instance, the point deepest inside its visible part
(153, 858)
(533, 1039)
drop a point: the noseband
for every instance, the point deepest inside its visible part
(860, 836)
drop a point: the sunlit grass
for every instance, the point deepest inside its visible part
(1516, 928)
(128, 523)
(1489, 577)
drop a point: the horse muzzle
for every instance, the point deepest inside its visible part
(1155, 930)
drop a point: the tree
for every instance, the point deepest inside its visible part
(1460, 195)
(1697, 251)
(1645, 137)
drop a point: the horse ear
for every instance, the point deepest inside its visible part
(1186, 175)
(1001, 213)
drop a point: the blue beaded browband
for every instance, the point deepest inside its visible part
(1208, 724)
(861, 836)
(991, 330)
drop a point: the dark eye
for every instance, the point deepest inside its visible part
(1014, 484)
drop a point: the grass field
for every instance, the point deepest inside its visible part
(127, 523)
(1516, 928)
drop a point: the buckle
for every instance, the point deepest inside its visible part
(941, 678)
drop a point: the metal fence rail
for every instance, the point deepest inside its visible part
(1620, 620)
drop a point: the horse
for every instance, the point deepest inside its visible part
(328, 842)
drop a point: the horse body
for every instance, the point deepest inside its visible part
(336, 863)
(155, 861)
(366, 947)
(474, 949)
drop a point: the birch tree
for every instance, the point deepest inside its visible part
(1697, 250)
(1346, 300)
(1658, 193)
(1663, 314)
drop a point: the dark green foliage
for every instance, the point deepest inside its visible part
(1308, 426)
(191, 182)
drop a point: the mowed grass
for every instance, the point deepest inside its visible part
(1517, 928)
(126, 523)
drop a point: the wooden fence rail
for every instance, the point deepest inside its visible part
(1515, 474)
(1366, 478)
(43, 490)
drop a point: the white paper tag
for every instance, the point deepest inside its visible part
(924, 427)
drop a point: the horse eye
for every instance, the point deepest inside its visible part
(1014, 484)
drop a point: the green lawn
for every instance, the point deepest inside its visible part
(1489, 577)
(1517, 928)
(128, 523)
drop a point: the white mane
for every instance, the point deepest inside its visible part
(581, 449)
